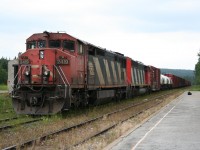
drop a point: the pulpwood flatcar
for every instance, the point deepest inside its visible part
(58, 71)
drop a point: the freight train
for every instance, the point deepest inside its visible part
(58, 71)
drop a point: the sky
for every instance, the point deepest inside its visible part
(165, 34)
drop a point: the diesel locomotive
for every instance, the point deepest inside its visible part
(58, 71)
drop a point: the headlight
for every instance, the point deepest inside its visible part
(41, 54)
(27, 73)
(46, 73)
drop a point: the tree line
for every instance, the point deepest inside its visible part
(3, 70)
(197, 70)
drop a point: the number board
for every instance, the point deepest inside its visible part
(24, 61)
(62, 62)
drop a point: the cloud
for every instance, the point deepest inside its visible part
(162, 16)
(160, 33)
(11, 45)
(163, 50)
(132, 15)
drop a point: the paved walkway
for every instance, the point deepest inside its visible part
(176, 127)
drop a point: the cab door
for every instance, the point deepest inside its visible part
(81, 65)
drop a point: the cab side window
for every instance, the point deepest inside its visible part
(69, 45)
(31, 45)
(80, 48)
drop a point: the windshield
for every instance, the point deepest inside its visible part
(41, 43)
(54, 43)
(31, 45)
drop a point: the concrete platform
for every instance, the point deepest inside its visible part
(176, 127)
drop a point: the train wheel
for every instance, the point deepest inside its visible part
(85, 101)
(118, 96)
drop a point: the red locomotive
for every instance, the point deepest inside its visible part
(58, 71)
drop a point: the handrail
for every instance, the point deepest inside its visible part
(64, 75)
(21, 74)
(18, 74)
(60, 74)
(62, 78)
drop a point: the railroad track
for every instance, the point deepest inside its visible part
(8, 119)
(15, 125)
(67, 129)
(113, 126)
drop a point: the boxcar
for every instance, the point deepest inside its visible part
(153, 77)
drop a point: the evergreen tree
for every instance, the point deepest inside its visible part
(3, 76)
(197, 70)
(3, 70)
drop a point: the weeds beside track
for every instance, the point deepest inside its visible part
(18, 124)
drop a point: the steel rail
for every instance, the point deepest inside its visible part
(15, 125)
(8, 119)
(111, 127)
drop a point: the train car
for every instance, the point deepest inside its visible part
(137, 84)
(174, 79)
(165, 82)
(177, 81)
(153, 77)
(47, 72)
(187, 83)
(106, 77)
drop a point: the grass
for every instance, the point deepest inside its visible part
(6, 109)
(195, 88)
(3, 87)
